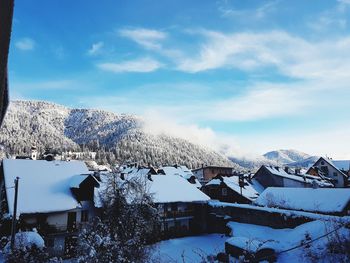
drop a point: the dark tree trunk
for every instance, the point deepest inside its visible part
(6, 14)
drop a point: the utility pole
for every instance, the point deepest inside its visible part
(13, 229)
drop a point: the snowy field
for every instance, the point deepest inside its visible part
(189, 249)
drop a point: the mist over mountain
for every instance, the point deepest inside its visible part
(119, 137)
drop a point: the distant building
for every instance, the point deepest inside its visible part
(274, 176)
(54, 197)
(206, 173)
(325, 168)
(227, 189)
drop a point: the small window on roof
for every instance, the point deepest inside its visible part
(224, 191)
(322, 162)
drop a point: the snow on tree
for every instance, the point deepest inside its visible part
(128, 225)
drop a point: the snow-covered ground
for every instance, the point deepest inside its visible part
(286, 242)
(189, 249)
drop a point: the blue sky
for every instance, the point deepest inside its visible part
(239, 76)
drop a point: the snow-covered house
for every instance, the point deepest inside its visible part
(321, 200)
(327, 168)
(181, 204)
(274, 176)
(54, 197)
(206, 173)
(227, 189)
(182, 171)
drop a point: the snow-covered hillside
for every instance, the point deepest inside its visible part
(50, 125)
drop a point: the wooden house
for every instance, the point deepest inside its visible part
(328, 169)
(206, 173)
(54, 197)
(274, 176)
(181, 205)
(227, 189)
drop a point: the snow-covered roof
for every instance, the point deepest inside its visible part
(182, 171)
(251, 190)
(43, 186)
(173, 188)
(343, 165)
(279, 171)
(168, 187)
(323, 200)
(177, 170)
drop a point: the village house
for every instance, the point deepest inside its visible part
(54, 197)
(330, 201)
(206, 173)
(328, 169)
(343, 165)
(228, 189)
(274, 176)
(181, 204)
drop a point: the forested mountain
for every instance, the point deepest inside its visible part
(116, 138)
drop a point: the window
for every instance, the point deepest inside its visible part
(50, 242)
(84, 216)
(335, 174)
(224, 191)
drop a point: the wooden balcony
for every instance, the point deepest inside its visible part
(177, 214)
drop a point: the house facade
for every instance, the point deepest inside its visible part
(206, 173)
(54, 197)
(324, 167)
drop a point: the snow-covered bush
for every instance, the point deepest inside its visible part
(29, 247)
(335, 247)
(125, 229)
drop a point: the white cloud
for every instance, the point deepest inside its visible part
(147, 38)
(257, 13)
(25, 44)
(142, 65)
(95, 48)
(252, 52)
(157, 123)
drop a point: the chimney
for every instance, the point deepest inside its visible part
(34, 153)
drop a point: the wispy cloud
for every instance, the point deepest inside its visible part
(95, 48)
(25, 44)
(333, 19)
(227, 10)
(290, 55)
(142, 65)
(147, 38)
